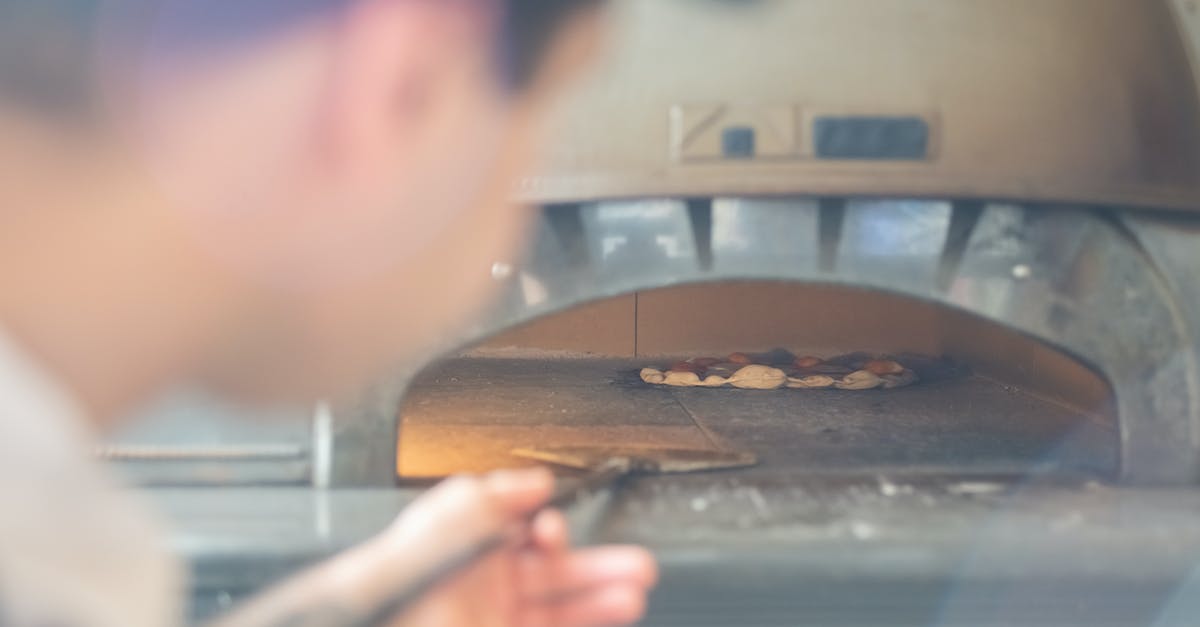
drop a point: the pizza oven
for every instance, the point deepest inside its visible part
(833, 177)
(1002, 196)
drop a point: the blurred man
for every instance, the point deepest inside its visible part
(275, 198)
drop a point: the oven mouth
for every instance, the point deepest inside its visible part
(992, 402)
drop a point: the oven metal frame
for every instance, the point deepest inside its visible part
(1115, 290)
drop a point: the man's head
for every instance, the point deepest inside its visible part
(347, 162)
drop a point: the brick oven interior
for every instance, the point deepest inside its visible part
(991, 402)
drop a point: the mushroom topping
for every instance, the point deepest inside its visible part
(882, 367)
(808, 361)
(739, 358)
(859, 380)
(755, 377)
(681, 378)
(650, 375)
(813, 382)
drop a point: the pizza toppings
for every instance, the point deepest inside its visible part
(812, 382)
(883, 366)
(908, 377)
(681, 378)
(739, 358)
(756, 377)
(859, 380)
(723, 368)
(779, 368)
(808, 362)
(650, 375)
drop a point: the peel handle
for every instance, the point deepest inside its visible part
(565, 494)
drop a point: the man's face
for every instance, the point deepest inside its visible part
(350, 175)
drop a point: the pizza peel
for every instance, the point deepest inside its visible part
(603, 466)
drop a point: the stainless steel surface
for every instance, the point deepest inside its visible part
(117, 452)
(890, 549)
(191, 438)
(363, 450)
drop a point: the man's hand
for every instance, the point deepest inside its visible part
(537, 581)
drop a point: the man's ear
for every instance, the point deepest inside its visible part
(386, 62)
(575, 46)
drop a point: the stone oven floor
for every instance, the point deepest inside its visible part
(465, 414)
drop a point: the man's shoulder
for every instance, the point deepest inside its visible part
(76, 547)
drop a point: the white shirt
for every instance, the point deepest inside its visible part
(76, 549)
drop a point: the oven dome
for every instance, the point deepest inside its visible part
(1089, 101)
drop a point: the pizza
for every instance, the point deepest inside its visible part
(781, 369)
